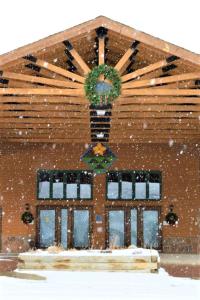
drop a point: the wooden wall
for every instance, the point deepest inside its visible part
(180, 186)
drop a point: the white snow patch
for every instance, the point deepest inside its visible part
(64, 285)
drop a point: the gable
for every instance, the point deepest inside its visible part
(42, 88)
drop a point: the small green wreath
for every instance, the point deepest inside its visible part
(171, 218)
(27, 217)
(112, 90)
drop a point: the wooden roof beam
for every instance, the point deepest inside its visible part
(101, 34)
(119, 66)
(162, 80)
(122, 101)
(55, 69)
(160, 92)
(36, 79)
(42, 91)
(149, 68)
(82, 64)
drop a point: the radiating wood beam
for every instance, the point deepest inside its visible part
(42, 91)
(150, 141)
(154, 107)
(76, 101)
(101, 53)
(149, 68)
(36, 79)
(46, 114)
(156, 121)
(162, 80)
(160, 92)
(53, 68)
(82, 64)
(44, 107)
(31, 121)
(125, 57)
(156, 114)
(47, 140)
(123, 101)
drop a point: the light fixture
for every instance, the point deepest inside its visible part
(101, 112)
(100, 135)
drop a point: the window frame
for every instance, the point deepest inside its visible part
(65, 172)
(133, 175)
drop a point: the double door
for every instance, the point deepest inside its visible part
(69, 227)
(134, 226)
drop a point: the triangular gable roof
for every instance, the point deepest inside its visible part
(93, 24)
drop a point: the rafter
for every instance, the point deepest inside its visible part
(47, 140)
(155, 107)
(30, 120)
(149, 68)
(160, 92)
(36, 79)
(43, 107)
(121, 101)
(101, 34)
(46, 114)
(80, 61)
(156, 81)
(155, 114)
(42, 91)
(45, 99)
(53, 68)
(126, 56)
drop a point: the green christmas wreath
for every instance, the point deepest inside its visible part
(27, 217)
(108, 89)
(171, 218)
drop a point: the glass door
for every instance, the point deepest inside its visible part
(151, 236)
(68, 227)
(116, 228)
(47, 228)
(81, 229)
(134, 227)
(138, 226)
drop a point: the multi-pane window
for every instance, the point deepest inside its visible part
(138, 185)
(64, 184)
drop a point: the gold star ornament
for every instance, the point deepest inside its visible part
(99, 149)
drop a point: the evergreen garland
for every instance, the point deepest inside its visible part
(91, 82)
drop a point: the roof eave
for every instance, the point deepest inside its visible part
(91, 25)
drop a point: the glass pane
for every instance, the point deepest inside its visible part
(140, 185)
(44, 185)
(134, 227)
(140, 190)
(154, 190)
(116, 228)
(47, 227)
(150, 228)
(85, 185)
(72, 185)
(154, 186)
(126, 186)
(81, 228)
(64, 216)
(113, 186)
(57, 180)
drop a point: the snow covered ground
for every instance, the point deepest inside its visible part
(64, 285)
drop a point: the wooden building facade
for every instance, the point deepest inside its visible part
(149, 194)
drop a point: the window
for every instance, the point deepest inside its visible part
(137, 185)
(44, 185)
(64, 184)
(113, 185)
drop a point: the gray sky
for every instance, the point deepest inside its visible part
(25, 21)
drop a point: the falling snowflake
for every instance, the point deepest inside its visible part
(171, 142)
